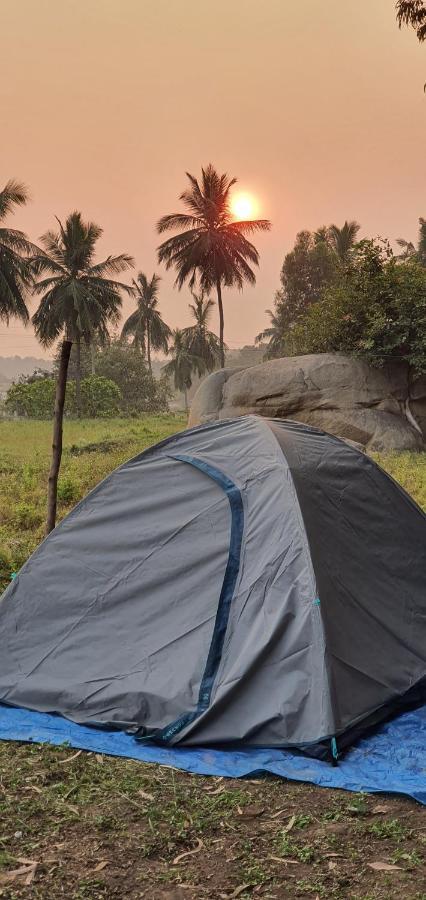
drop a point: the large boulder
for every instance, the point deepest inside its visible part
(377, 408)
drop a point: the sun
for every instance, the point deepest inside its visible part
(243, 206)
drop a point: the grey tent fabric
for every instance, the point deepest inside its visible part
(254, 581)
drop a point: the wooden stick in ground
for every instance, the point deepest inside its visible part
(61, 385)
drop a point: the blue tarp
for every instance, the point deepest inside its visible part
(391, 760)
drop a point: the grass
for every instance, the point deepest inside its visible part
(92, 449)
(99, 827)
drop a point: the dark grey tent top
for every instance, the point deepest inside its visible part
(254, 581)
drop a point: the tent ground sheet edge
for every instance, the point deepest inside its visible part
(392, 760)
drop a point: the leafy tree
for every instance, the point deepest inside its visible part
(101, 397)
(145, 324)
(202, 343)
(211, 245)
(343, 239)
(36, 399)
(15, 248)
(307, 269)
(79, 298)
(140, 392)
(33, 398)
(413, 13)
(182, 365)
(376, 311)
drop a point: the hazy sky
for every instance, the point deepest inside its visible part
(317, 106)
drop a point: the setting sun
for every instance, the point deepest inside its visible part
(243, 206)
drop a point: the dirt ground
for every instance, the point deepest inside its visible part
(80, 825)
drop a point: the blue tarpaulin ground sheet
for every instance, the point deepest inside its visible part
(392, 760)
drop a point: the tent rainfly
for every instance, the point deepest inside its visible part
(256, 582)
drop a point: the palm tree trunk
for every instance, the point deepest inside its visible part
(61, 385)
(93, 358)
(185, 394)
(78, 376)
(221, 322)
(148, 349)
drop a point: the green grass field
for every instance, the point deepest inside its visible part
(92, 449)
(85, 827)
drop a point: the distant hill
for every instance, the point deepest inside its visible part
(11, 367)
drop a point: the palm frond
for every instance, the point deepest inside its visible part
(13, 194)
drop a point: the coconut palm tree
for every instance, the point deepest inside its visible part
(322, 235)
(343, 239)
(274, 336)
(145, 324)
(211, 245)
(202, 342)
(182, 365)
(412, 12)
(421, 244)
(79, 298)
(15, 248)
(410, 251)
(407, 247)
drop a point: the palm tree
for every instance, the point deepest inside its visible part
(15, 269)
(182, 365)
(343, 239)
(79, 298)
(412, 12)
(410, 251)
(274, 335)
(322, 235)
(407, 247)
(202, 342)
(421, 244)
(145, 323)
(211, 245)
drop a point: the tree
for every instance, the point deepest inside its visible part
(79, 298)
(145, 323)
(412, 13)
(212, 245)
(15, 249)
(410, 251)
(376, 311)
(34, 397)
(140, 392)
(274, 336)
(343, 239)
(101, 397)
(182, 365)
(306, 270)
(202, 343)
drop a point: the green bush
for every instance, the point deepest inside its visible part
(68, 490)
(376, 311)
(27, 516)
(100, 397)
(35, 399)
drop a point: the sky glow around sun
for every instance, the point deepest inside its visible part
(243, 206)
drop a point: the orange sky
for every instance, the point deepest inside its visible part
(316, 105)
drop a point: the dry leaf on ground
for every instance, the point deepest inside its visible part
(238, 890)
(384, 867)
(70, 758)
(181, 856)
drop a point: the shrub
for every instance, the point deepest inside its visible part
(377, 311)
(100, 397)
(68, 490)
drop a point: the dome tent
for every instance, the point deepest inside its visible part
(253, 581)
